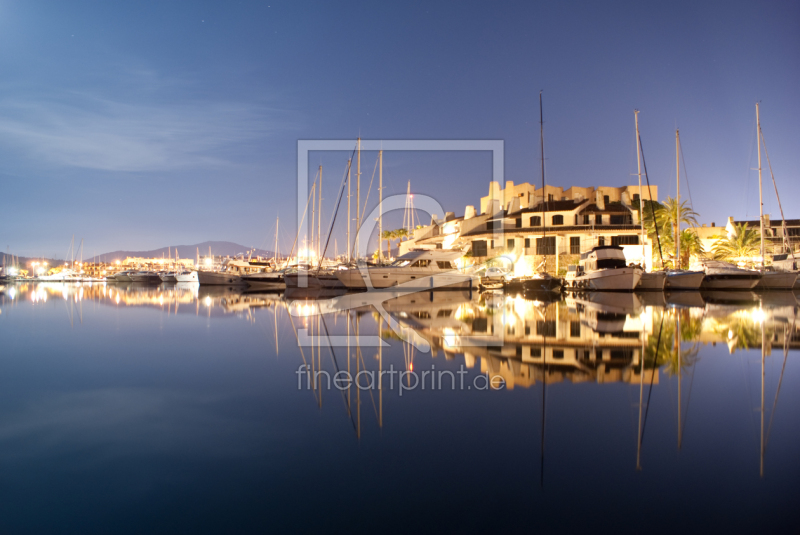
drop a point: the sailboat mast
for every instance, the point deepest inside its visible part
(319, 217)
(277, 222)
(358, 193)
(639, 173)
(541, 142)
(310, 241)
(380, 205)
(760, 198)
(678, 204)
(349, 221)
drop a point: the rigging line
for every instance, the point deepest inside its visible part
(302, 354)
(778, 391)
(372, 397)
(371, 181)
(652, 209)
(336, 365)
(313, 188)
(749, 167)
(652, 376)
(366, 200)
(685, 174)
(335, 213)
(783, 218)
(689, 397)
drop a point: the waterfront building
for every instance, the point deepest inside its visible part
(543, 229)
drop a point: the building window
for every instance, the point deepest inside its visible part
(636, 197)
(518, 222)
(575, 329)
(558, 219)
(545, 246)
(598, 219)
(536, 221)
(586, 219)
(601, 241)
(605, 199)
(622, 219)
(546, 328)
(558, 354)
(479, 248)
(625, 240)
(549, 197)
(527, 243)
(575, 245)
(536, 352)
(510, 243)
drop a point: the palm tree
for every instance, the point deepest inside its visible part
(744, 242)
(666, 220)
(388, 235)
(690, 246)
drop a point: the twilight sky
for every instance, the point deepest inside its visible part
(135, 125)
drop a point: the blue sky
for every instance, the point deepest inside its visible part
(142, 124)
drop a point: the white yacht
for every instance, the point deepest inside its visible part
(123, 276)
(604, 269)
(218, 277)
(680, 279)
(776, 280)
(430, 269)
(168, 276)
(186, 276)
(725, 276)
(652, 281)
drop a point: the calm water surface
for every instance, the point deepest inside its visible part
(173, 409)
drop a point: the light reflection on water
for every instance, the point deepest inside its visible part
(195, 389)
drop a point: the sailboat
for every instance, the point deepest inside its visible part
(680, 279)
(650, 280)
(770, 280)
(540, 281)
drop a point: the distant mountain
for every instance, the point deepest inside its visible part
(224, 248)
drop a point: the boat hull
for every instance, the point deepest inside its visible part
(218, 278)
(323, 280)
(147, 279)
(122, 278)
(685, 280)
(653, 281)
(415, 280)
(187, 277)
(168, 277)
(265, 281)
(610, 280)
(730, 281)
(777, 280)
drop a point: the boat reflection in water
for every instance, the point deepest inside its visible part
(648, 340)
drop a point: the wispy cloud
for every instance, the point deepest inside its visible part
(77, 129)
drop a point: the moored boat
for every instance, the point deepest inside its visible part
(652, 281)
(186, 276)
(424, 269)
(147, 277)
(168, 276)
(776, 280)
(604, 269)
(684, 280)
(725, 276)
(218, 278)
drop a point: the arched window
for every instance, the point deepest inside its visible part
(558, 219)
